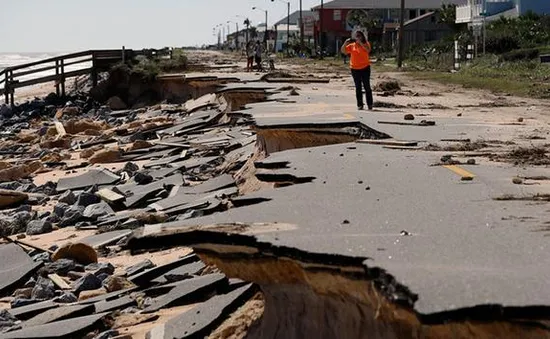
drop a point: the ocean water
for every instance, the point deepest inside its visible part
(14, 59)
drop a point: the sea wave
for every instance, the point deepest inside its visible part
(14, 59)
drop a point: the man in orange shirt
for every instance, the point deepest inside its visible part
(359, 52)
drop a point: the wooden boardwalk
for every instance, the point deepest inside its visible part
(92, 62)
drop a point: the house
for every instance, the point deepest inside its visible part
(424, 29)
(382, 16)
(294, 21)
(475, 10)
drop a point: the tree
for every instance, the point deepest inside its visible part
(447, 15)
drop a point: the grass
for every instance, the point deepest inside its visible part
(521, 78)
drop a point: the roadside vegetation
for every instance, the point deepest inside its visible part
(511, 64)
(148, 68)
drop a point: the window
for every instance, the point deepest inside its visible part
(337, 15)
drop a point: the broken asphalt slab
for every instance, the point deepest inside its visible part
(70, 328)
(105, 239)
(15, 268)
(202, 319)
(59, 313)
(92, 177)
(478, 266)
(145, 277)
(189, 291)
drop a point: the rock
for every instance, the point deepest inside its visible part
(84, 295)
(30, 283)
(81, 253)
(44, 214)
(78, 126)
(63, 143)
(100, 267)
(60, 209)
(67, 111)
(140, 144)
(116, 283)
(293, 92)
(5, 111)
(27, 188)
(98, 210)
(75, 275)
(68, 198)
(471, 161)
(517, 180)
(71, 217)
(10, 186)
(15, 224)
(92, 190)
(142, 178)
(105, 156)
(6, 317)
(409, 117)
(520, 119)
(43, 257)
(130, 168)
(23, 293)
(86, 199)
(44, 289)
(36, 227)
(87, 153)
(11, 198)
(87, 283)
(66, 298)
(61, 267)
(102, 276)
(140, 267)
(116, 104)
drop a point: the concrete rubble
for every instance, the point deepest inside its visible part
(246, 209)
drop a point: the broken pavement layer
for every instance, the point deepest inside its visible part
(15, 267)
(425, 265)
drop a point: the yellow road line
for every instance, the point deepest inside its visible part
(460, 171)
(348, 116)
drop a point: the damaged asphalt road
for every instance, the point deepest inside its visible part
(171, 221)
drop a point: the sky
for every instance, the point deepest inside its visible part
(74, 25)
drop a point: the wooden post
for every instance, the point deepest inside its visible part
(123, 54)
(57, 91)
(12, 90)
(62, 77)
(6, 89)
(401, 51)
(94, 71)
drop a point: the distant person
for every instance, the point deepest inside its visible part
(249, 56)
(258, 55)
(359, 52)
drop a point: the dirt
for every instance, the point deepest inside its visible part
(535, 156)
(237, 326)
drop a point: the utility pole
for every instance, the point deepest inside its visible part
(301, 28)
(321, 40)
(401, 51)
(288, 29)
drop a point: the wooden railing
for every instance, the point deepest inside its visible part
(93, 62)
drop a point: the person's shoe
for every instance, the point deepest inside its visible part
(360, 107)
(370, 108)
